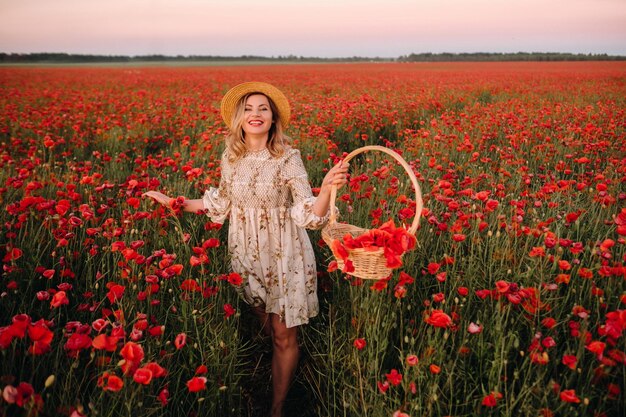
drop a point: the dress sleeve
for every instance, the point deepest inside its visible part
(303, 199)
(217, 200)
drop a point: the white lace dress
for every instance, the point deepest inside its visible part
(268, 202)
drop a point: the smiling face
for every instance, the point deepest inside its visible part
(258, 116)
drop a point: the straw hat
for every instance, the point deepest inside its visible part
(232, 97)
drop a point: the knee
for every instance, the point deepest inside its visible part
(285, 339)
(285, 342)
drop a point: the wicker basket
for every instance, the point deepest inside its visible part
(368, 264)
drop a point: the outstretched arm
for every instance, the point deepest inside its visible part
(192, 206)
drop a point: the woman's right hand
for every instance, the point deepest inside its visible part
(159, 197)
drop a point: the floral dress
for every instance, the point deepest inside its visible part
(269, 202)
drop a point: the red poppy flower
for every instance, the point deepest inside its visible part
(235, 279)
(176, 204)
(228, 310)
(405, 279)
(412, 360)
(359, 343)
(115, 293)
(133, 355)
(392, 259)
(433, 267)
(41, 336)
(110, 382)
(585, 273)
(12, 255)
(382, 386)
(133, 202)
(129, 254)
(180, 341)
(548, 322)
(548, 342)
(48, 273)
(348, 266)
(62, 207)
(77, 342)
(596, 347)
(537, 252)
(564, 265)
(6, 337)
(569, 361)
(502, 286)
(380, 284)
(23, 394)
(20, 324)
(156, 331)
(606, 245)
(394, 241)
(439, 297)
(474, 328)
(9, 394)
(482, 195)
(438, 318)
(339, 250)
(157, 370)
(491, 205)
(458, 237)
(539, 358)
(59, 299)
(142, 376)
(104, 342)
(569, 396)
(190, 285)
(211, 243)
(394, 377)
(201, 260)
(176, 269)
(615, 324)
(37, 332)
(399, 291)
(489, 400)
(163, 396)
(614, 391)
(196, 384)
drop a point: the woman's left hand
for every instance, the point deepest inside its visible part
(338, 175)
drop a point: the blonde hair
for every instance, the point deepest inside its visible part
(277, 141)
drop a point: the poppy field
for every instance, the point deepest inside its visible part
(512, 301)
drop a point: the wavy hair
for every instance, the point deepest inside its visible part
(277, 141)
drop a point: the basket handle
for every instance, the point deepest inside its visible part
(419, 205)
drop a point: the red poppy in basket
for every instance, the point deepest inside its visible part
(394, 241)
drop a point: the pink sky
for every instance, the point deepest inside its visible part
(326, 28)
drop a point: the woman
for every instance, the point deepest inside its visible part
(265, 194)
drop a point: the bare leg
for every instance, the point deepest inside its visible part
(284, 361)
(264, 318)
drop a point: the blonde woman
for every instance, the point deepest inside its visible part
(265, 194)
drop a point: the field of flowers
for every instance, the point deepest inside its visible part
(513, 302)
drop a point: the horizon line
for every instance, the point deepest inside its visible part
(294, 56)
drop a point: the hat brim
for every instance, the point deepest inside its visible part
(232, 97)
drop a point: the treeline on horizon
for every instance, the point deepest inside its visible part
(47, 57)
